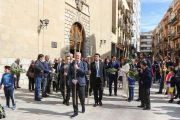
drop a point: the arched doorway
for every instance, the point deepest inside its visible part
(76, 29)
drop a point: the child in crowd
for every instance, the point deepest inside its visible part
(8, 81)
(168, 76)
(171, 83)
(131, 88)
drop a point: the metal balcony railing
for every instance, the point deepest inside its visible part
(120, 5)
(175, 20)
(178, 29)
(161, 30)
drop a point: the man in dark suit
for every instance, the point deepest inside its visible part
(80, 81)
(113, 78)
(57, 67)
(38, 75)
(146, 81)
(98, 75)
(46, 76)
(62, 75)
(142, 57)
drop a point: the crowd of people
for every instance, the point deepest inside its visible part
(74, 73)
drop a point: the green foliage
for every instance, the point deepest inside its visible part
(18, 71)
(133, 75)
(112, 71)
(55, 75)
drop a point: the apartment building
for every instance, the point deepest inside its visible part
(146, 42)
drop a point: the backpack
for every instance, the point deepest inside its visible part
(2, 112)
(177, 75)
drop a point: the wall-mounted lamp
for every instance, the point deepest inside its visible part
(44, 23)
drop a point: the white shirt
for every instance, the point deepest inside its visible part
(97, 66)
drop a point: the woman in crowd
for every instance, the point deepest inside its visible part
(125, 69)
(106, 66)
(177, 67)
(30, 75)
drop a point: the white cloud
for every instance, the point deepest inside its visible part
(150, 20)
(154, 1)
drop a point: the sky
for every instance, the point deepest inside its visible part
(152, 12)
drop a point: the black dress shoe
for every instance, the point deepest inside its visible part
(138, 99)
(89, 94)
(178, 102)
(74, 115)
(100, 103)
(46, 95)
(40, 98)
(83, 109)
(15, 87)
(115, 94)
(37, 99)
(64, 101)
(141, 106)
(50, 93)
(18, 87)
(158, 92)
(67, 103)
(110, 94)
(146, 108)
(95, 105)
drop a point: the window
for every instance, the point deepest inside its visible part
(148, 37)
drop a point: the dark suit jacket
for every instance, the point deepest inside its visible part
(102, 72)
(38, 69)
(46, 69)
(61, 71)
(55, 67)
(116, 66)
(146, 77)
(80, 75)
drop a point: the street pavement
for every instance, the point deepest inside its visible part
(114, 107)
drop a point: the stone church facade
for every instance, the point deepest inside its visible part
(22, 34)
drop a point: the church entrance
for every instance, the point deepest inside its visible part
(76, 30)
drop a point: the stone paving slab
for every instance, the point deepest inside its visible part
(114, 108)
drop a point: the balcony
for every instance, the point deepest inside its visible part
(175, 20)
(127, 29)
(120, 40)
(175, 36)
(122, 11)
(161, 30)
(178, 29)
(177, 46)
(132, 32)
(161, 41)
(169, 33)
(169, 20)
(170, 8)
(124, 26)
(120, 5)
(120, 22)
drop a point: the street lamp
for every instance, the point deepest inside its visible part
(44, 23)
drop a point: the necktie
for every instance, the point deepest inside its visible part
(97, 66)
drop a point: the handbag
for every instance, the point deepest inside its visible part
(177, 75)
(30, 74)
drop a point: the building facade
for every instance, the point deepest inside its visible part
(49, 27)
(146, 42)
(136, 24)
(168, 40)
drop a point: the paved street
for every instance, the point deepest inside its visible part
(114, 108)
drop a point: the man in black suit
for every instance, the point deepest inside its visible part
(62, 75)
(80, 81)
(57, 67)
(98, 75)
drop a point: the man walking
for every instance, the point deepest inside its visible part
(98, 75)
(16, 66)
(38, 75)
(112, 77)
(80, 81)
(57, 67)
(46, 76)
(146, 80)
(62, 75)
